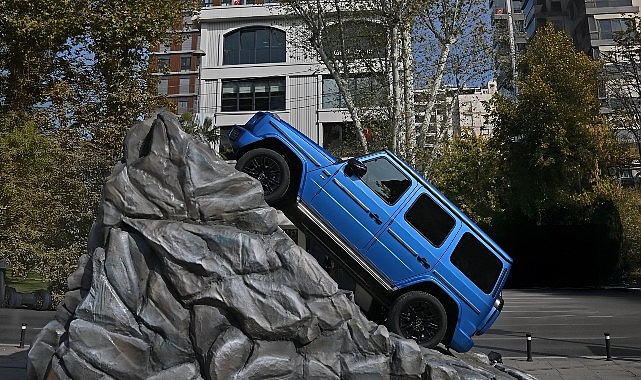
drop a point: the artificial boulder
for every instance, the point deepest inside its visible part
(188, 276)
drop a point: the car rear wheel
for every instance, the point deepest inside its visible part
(268, 167)
(420, 316)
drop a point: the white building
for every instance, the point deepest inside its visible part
(251, 65)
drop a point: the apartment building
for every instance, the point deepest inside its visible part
(177, 68)
(592, 24)
(458, 110)
(508, 21)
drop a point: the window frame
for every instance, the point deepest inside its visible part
(247, 100)
(271, 48)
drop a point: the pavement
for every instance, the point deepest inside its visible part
(13, 366)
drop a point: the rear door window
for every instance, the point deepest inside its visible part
(476, 262)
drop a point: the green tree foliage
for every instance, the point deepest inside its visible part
(74, 76)
(45, 206)
(468, 173)
(552, 142)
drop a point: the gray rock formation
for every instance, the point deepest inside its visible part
(188, 276)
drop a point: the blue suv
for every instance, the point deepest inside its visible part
(436, 274)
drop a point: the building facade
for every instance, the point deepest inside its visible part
(251, 64)
(177, 69)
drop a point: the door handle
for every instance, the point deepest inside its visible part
(376, 218)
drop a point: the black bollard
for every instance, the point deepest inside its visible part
(529, 346)
(24, 329)
(608, 356)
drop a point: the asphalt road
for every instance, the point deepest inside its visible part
(11, 321)
(568, 323)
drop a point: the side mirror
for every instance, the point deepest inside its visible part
(355, 167)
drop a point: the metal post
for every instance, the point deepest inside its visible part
(199, 54)
(529, 346)
(22, 332)
(607, 347)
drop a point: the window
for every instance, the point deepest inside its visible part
(184, 85)
(163, 64)
(519, 26)
(608, 28)
(163, 86)
(164, 48)
(385, 180)
(366, 90)
(254, 95)
(611, 3)
(430, 220)
(186, 45)
(361, 40)
(333, 135)
(183, 106)
(254, 45)
(477, 262)
(185, 62)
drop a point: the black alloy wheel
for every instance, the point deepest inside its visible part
(268, 167)
(420, 316)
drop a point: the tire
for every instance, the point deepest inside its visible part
(420, 316)
(270, 168)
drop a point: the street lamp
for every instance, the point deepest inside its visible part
(199, 54)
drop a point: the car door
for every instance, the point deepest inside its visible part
(357, 204)
(415, 239)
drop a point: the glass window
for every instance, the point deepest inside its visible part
(254, 45)
(366, 90)
(361, 40)
(477, 262)
(163, 86)
(331, 96)
(185, 62)
(385, 179)
(184, 85)
(430, 220)
(608, 28)
(183, 106)
(187, 42)
(266, 94)
(163, 64)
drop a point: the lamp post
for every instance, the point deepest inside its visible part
(199, 54)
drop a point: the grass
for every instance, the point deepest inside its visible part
(26, 285)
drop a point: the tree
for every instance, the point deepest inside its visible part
(46, 207)
(74, 76)
(452, 42)
(468, 174)
(367, 42)
(553, 143)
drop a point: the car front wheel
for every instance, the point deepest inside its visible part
(420, 316)
(268, 167)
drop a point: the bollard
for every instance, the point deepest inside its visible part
(608, 356)
(529, 346)
(24, 329)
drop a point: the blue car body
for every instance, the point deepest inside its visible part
(393, 230)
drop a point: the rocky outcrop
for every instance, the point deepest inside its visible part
(188, 276)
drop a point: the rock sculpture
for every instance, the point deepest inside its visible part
(188, 276)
